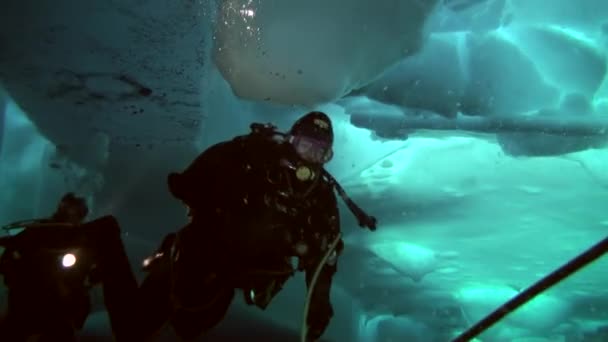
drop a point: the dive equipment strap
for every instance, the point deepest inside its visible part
(364, 220)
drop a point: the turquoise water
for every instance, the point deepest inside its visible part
(106, 99)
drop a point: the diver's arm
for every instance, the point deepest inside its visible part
(320, 309)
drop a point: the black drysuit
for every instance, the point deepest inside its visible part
(250, 215)
(52, 301)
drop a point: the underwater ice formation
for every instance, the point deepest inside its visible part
(146, 87)
(312, 52)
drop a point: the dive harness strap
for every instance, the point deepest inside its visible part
(363, 219)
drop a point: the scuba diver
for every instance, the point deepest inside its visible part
(255, 203)
(51, 265)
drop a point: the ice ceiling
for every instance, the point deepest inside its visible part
(474, 130)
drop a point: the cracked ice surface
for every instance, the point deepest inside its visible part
(482, 226)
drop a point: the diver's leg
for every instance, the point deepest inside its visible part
(154, 304)
(201, 294)
(154, 292)
(117, 279)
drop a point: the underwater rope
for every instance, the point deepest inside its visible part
(37, 223)
(572, 266)
(313, 282)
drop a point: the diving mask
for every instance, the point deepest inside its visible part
(312, 150)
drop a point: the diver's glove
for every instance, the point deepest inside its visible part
(366, 221)
(314, 334)
(318, 320)
(363, 219)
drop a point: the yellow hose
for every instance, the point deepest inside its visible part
(313, 282)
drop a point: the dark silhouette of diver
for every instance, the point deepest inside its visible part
(50, 267)
(254, 202)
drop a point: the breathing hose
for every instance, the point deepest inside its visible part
(313, 282)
